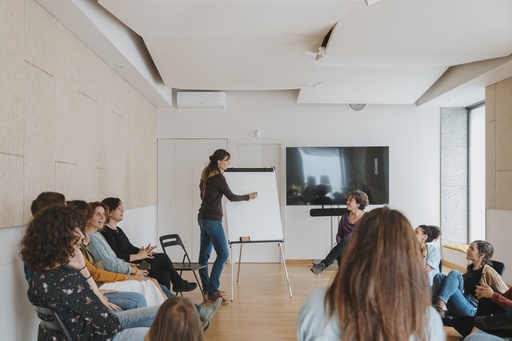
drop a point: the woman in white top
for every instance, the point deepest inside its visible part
(380, 292)
(426, 235)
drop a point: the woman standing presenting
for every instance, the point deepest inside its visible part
(213, 186)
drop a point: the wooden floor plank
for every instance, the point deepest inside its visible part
(262, 308)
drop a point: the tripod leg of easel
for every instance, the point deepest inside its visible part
(285, 269)
(239, 261)
(231, 261)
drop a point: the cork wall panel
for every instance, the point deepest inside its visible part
(39, 134)
(11, 84)
(503, 190)
(504, 126)
(39, 37)
(66, 97)
(490, 103)
(11, 183)
(68, 122)
(490, 163)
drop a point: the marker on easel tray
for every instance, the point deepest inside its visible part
(245, 239)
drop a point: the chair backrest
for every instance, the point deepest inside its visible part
(498, 266)
(50, 321)
(174, 240)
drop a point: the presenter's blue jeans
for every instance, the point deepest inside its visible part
(127, 300)
(212, 234)
(136, 323)
(450, 289)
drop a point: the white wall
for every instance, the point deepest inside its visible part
(412, 133)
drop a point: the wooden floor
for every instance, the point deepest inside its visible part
(262, 308)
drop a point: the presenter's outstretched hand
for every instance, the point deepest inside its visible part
(253, 195)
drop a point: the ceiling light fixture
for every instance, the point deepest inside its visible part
(357, 107)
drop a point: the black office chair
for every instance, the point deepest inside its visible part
(185, 265)
(498, 266)
(51, 322)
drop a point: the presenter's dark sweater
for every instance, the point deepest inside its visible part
(216, 187)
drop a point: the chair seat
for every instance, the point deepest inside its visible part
(188, 266)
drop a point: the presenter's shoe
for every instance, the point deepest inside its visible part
(318, 268)
(184, 286)
(221, 293)
(206, 314)
(497, 321)
(215, 297)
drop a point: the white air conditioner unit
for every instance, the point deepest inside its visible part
(200, 100)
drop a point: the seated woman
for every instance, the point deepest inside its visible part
(356, 203)
(367, 300)
(161, 269)
(60, 280)
(148, 287)
(176, 320)
(101, 249)
(489, 303)
(426, 235)
(455, 293)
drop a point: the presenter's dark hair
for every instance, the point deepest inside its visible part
(432, 232)
(212, 167)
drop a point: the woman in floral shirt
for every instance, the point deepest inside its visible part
(61, 281)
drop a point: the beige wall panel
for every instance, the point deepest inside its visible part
(89, 69)
(504, 125)
(39, 37)
(88, 131)
(104, 104)
(490, 103)
(39, 134)
(490, 163)
(503, 190)
(88, 182)
(67, 180)
(117, 142)
(11, 84)
(66, 97)
(105, 184)
(119, 93)
(11, 183)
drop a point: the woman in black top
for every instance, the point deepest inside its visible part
(213, 186)
(161, 269)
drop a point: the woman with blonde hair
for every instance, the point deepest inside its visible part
(380, 291)
(176, 320)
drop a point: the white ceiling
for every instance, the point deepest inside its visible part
(392, 52)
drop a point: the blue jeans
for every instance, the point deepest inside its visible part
(127, 300)
(212, 234)
(482, 336)
(136, 323)
(450, 289)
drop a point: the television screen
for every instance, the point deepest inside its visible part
(324, 175)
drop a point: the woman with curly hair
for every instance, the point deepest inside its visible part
(60, 280)
(380, 291)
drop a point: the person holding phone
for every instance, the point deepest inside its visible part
(213, 187)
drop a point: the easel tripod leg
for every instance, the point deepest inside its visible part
(285, 269)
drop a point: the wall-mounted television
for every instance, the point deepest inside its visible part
(324, 175)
